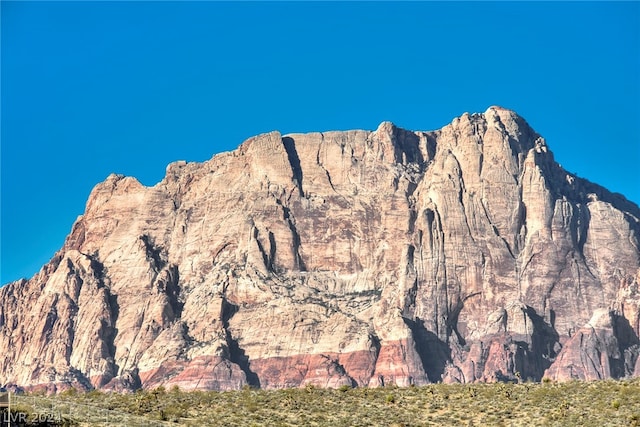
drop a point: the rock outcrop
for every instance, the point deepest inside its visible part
(360, 258)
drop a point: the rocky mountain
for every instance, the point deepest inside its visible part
(362, 258)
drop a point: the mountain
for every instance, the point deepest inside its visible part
(362, 258)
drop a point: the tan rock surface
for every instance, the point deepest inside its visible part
(361, 258)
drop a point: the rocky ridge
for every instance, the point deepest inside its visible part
(340, 258)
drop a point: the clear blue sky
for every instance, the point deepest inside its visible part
(90, 88)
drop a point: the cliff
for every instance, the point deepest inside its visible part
(363, 258)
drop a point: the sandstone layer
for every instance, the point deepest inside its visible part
(341, 258)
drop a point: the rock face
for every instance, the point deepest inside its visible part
(361, 258)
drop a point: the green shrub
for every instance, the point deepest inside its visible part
(70, 392)
(94, 395)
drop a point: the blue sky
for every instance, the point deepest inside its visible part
(90, 88)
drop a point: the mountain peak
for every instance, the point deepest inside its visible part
(499, 108)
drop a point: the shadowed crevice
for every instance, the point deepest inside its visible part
(154, 253)
(544, 346)
(628, 348)
(434, 353)
(237, 354)
(294, 161)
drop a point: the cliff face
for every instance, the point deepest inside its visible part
(362, 258)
